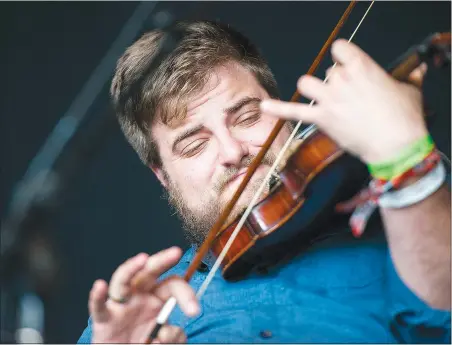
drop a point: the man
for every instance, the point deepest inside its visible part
(197, 121)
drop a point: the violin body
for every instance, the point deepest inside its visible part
(316, 177)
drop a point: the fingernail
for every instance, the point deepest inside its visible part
(265, 105)
(193, 308)
(142, 257)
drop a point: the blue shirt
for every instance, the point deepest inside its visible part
(342, 290)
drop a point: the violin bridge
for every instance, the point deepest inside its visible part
(274, 180)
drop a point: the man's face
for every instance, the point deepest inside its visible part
(205, 156)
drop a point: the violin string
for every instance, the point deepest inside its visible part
(264, 183)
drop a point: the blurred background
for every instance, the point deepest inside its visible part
(57, 56)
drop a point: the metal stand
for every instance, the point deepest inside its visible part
(29, 264)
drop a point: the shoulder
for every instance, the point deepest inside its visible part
(87, 334)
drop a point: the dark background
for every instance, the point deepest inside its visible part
(112, 207)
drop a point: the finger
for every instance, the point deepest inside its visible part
(291, 110)
(336, 72)
(349, 55)
(120, 282)
(97, 301)
(183, 293)
(330, 69)
(169, 334)
(328, 72)
(312, 88)
(156, 265)
(417, 76)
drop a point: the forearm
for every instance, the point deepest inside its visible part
(419, 241)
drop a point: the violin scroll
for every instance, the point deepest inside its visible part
(439, 49)
(434, 49)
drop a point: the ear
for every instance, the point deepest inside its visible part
(158, 171)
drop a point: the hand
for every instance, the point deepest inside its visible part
(132, 320)
(361, 107)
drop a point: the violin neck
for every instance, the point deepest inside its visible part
(434, 49)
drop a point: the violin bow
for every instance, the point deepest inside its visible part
(202, 251)
(271, 171)
(210, 238)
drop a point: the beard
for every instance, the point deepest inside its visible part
(198, 221)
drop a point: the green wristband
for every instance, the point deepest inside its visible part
(408, 158)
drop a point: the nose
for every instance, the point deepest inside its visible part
(231, 150)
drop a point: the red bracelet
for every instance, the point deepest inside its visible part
(365, 202)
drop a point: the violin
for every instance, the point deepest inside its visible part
(317, 177)
(313, 175)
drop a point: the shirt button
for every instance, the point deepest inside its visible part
(202, 267)
(265, 334)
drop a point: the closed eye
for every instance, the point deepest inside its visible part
(193, 148)
(247, 119)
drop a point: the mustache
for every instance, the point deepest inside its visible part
(230, 172)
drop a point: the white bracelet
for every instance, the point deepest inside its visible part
(416, 192)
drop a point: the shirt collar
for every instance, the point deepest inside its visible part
(208, 260)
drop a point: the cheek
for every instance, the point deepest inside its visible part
(194, 174)
(256, 139)
(258, 134)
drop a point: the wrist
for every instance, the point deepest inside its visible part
(430, 174)
(402, 159)
(407, 195)
(390, 149)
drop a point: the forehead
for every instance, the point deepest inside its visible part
(226, 85)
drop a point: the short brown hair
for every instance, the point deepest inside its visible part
(139, 95)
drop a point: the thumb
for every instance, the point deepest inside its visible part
(171, 334)
(290, 110)
(417, 76)
(97, 301)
